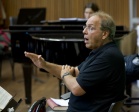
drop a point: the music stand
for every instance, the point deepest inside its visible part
(31, 16)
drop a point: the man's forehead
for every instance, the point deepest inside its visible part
(93, 20)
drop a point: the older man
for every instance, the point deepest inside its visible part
(100, 79)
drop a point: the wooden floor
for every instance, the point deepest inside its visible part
(49, 88)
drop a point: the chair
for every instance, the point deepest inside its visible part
(128, 103)
(7, 54)
(38, 106)
(116, 106)
(5, 51)
(13, 20)
(132, 74)
(130, 50)
(132, 103)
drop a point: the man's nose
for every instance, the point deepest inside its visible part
(84, 31)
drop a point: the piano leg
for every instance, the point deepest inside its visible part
(27, 71)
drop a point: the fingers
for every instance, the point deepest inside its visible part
(63, 66)
(27, 54)
(66, 67)
(31, 55)
(39, 56)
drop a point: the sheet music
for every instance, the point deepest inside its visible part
(72, 19)
(67, 19)
(5, 97)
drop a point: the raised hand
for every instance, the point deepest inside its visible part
(36, 59)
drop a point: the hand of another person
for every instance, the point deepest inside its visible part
(36, 59)
(67, 68)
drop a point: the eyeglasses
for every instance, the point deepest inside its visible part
(89, 28)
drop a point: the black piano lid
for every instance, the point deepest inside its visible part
(53, 27)
(56, 29)
(44, 27)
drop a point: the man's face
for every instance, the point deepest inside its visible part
(94, 37)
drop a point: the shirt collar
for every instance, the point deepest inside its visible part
(104, 46)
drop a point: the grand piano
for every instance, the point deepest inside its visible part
(45, 40)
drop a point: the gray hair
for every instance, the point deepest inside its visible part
(107, 23)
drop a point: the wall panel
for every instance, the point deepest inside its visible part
(70, 8)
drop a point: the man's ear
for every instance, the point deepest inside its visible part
(105, 34)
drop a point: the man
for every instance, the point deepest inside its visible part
(100, 79)
(89, 9)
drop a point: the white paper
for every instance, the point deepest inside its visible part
(67, 19)
(5, 97)
(61, 102)
(72, 19)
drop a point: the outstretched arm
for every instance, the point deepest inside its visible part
(39, 61)
(59, 71)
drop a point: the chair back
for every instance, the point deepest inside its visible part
(116, 106)
(13, 20)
